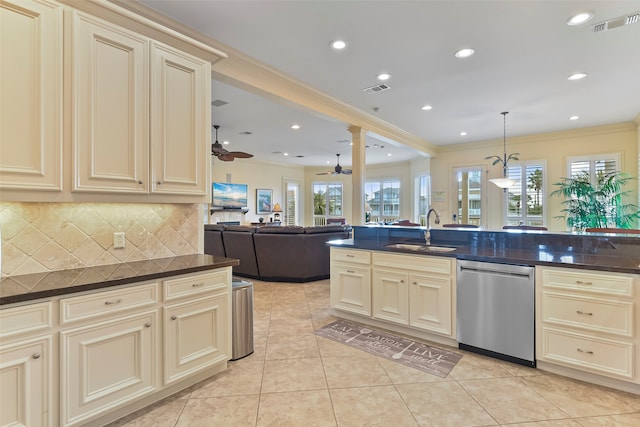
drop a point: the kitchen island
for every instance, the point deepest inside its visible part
(88, 346)
(587, 291)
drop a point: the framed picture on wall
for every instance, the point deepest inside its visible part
(264, 201)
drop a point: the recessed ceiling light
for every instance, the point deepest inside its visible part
(465, 53)
(580, 18)
(351, 143)
(388, 154)
(328, 162)
(577, 76)
(338, 44)
(426, 107)
(285, 154)
(383, 76)
(295, 127)
(225, 142)
(463, 134)
(574, 117)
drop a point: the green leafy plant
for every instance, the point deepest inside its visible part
(600, 205)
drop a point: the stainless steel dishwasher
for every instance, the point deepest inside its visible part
(495, 310)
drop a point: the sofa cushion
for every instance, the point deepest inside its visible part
(287, 229)
(214, 227)
(241, 228)
(324, 229)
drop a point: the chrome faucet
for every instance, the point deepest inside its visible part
(427, 233)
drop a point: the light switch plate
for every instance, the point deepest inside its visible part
(118, 240)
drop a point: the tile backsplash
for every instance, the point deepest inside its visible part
(39, 237)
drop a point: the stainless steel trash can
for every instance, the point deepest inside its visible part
(242, 319)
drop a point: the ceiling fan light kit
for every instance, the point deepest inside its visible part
(223, 154)
(337, 170)
(504, 182)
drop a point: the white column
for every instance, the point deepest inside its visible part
(358, 176)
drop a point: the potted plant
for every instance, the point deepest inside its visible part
(600, 205)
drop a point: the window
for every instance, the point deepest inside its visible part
(422, 198)
(383, 199)
(327, 201)
(525, 200)
(594, 166)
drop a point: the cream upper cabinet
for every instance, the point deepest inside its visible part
(180, 117)
(30, 95)
(141, 113)
(111, 107)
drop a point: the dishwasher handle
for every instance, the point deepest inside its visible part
(496, 272)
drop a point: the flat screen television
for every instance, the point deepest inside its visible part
(229, 196)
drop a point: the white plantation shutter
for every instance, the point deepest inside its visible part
(525, 200)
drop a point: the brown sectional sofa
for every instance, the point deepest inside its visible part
(280, 254)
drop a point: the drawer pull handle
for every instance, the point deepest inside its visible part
(580, 282)
(36, 355)
(197, 285)
(350, 256)
(584, 351)
(351, 271)
(584, 312)
(174, 317)
(118, 301)
(147, 325)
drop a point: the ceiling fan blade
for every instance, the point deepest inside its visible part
(240, 155)
(346, 171)
(326, 173)
(226, 158)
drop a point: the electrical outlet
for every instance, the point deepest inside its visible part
(118, 240)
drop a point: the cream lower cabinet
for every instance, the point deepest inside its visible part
(26, 360)
(351, 281)
(414, 290)
(30, 96)
(107, 364)
(587, 320)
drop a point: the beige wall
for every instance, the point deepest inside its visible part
(39, 237)
(555, 148)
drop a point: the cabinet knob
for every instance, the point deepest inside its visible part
(174, 317)
(36, 355)
(159, 183)
(139, 181)
(118, 301)
(415, 283)
(147, 325)
(401, 281)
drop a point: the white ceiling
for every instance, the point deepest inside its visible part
(524, 54)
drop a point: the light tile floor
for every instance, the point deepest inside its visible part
(297, 379)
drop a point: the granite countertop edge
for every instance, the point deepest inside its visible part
(617, 264)
(18, 289)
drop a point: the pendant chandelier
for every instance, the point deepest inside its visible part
(504, 182)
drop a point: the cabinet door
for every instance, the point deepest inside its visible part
(25, 382)
(30, 96)
(430, 300)
(351, 288)
(110, 84)
(390, 296)
(180, 122)
(196, 336)
(107, 364)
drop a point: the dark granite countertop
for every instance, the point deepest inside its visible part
(604, 260)
(14, 289)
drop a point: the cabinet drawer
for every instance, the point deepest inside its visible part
(351, 255)
(614, 317)
(107, 302)
(25, 319)
(607, 357)
(592, 282)
(431, 264)
(195, 284)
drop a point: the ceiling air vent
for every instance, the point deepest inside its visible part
(620, 21)
(377, 88)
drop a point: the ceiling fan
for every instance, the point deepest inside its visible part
(225, 155)
(337, 170)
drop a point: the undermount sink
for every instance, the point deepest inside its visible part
(419, 247)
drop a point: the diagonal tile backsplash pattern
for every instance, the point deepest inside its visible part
(39, 237)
